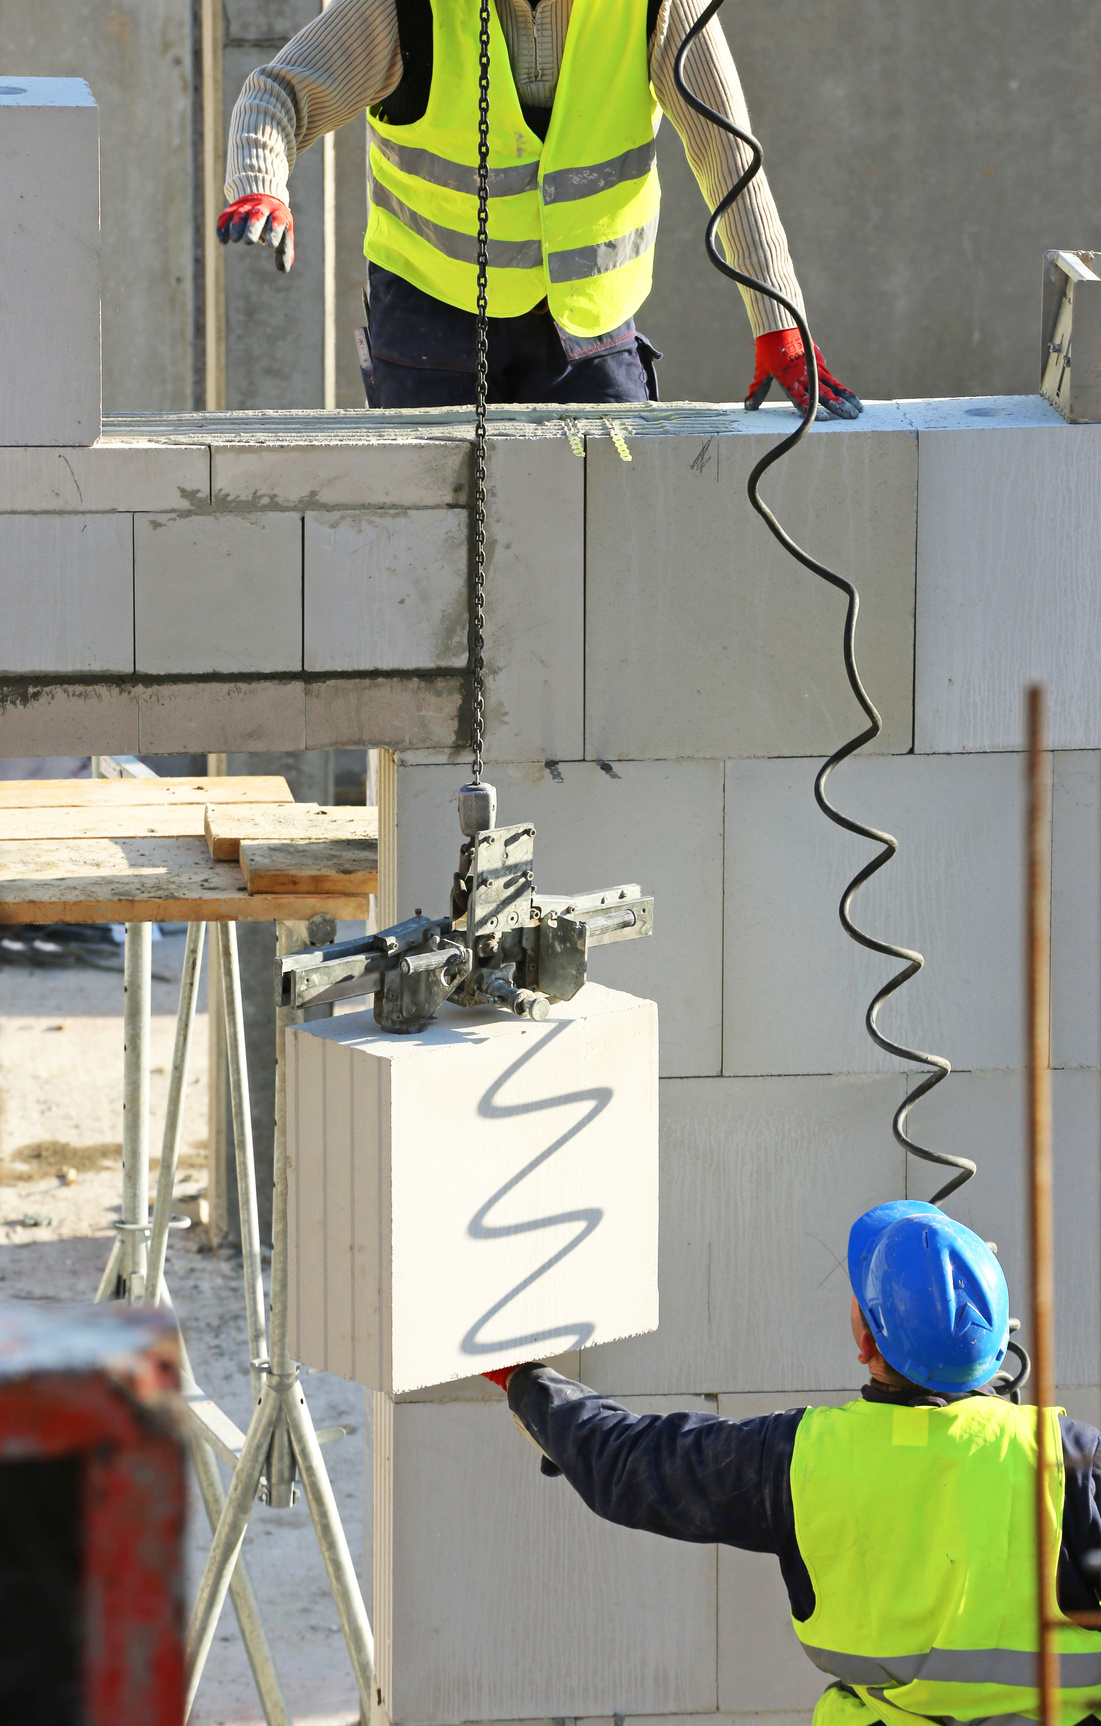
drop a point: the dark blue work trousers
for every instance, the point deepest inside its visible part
(422, 354)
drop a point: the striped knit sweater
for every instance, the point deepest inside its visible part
(348, 59)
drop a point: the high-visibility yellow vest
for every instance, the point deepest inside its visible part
(918, 1529)
(572, 220)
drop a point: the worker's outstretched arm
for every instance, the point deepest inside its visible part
(689, 1476)
(344, 61)
(752, 233)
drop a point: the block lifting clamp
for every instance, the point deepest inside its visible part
(504, 944)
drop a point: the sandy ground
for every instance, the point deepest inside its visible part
(60, 1159)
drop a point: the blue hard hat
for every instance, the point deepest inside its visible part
(933, 1294)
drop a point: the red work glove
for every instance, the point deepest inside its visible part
(260, 220)
(501, 1376)
(780, 355)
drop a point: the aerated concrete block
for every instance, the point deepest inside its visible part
(68, 593)
(535, 601)
(499, 1596)
(110, 476)
(659, 824)
(1008, 528)
(979, 413)
(49, 284)
(760, 1182)
(481, 1191)
(386, 590)
(704, 637)
(982, 1116)
(70, 719)
(218, 593)
(343, 476)
(762, 1666)
(796, 986)
(178, 718)
(1076, 910)
(384, 712)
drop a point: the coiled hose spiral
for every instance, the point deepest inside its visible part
(912, 961)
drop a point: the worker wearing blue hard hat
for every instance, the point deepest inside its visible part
(904, 1522)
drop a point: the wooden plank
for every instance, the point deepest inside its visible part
(311, 866)
(143, 880)
(227, 824)
(115, 793)
(138, 821)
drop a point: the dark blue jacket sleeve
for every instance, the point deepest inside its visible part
(688, 1476)
(1078, 1580)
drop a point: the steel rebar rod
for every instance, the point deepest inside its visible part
(177, 1085)
(1038, 983)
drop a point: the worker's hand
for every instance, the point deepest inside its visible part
(260, 221)
(780, 355)
(501, 1376)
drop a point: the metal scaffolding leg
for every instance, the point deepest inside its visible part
(334, 1545)
(281, 1434)
(134, 1222)
(315, 1480)
(228, 1536)
(173, 1120)
(242, 1141)
(245, 1604)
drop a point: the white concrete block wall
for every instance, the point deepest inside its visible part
(68, 593)
(704, 638)
(768, 1157)
(760, 1180)
(49, 285)
(1076, 909)
(1008, 528)
(386, 588)
(797, 987)
(218, 593)
(556, 1613)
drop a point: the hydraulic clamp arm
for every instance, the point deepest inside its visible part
(505, 944)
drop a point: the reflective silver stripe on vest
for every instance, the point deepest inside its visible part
(566, 185)
(606, 255)
(456, 176)
(1006, 1666)
(880, 1695)
(503, 254)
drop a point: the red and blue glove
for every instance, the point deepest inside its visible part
(500, 1377)
(260, 220)
(780, 355)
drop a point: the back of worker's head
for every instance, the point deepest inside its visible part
(933, 1295)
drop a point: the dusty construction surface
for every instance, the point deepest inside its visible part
(60, 1118)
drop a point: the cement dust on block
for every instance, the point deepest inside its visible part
(61, 1039)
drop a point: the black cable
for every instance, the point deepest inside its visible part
(913, 960)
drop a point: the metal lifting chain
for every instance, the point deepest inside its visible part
(481, 390)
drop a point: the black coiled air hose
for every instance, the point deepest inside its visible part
(912, 961)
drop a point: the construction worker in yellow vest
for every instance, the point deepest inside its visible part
(905, 1522)
(576, 92)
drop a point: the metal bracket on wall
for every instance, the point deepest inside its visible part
(1070, 348)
